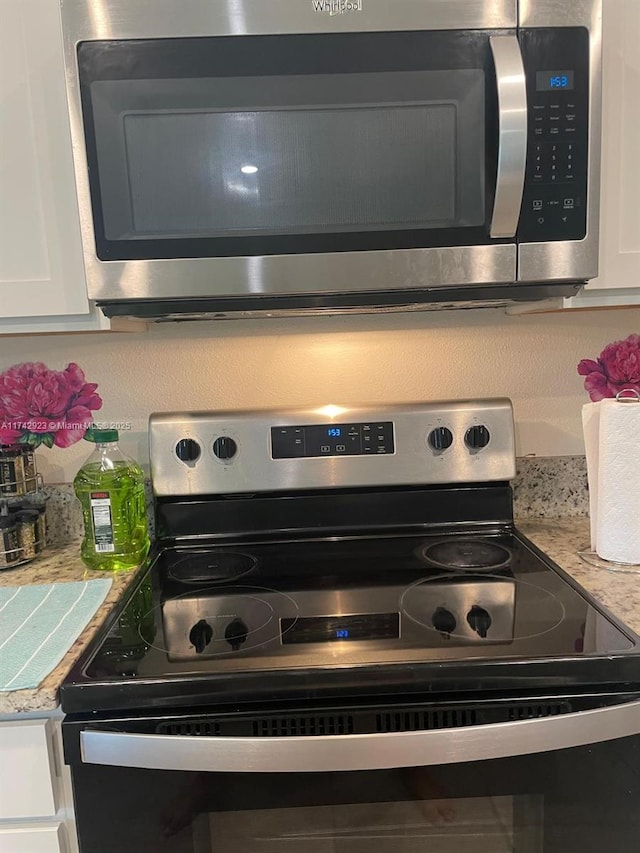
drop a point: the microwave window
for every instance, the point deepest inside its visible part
(300, 170)
(308, 155)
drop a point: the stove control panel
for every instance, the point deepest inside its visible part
(331, 447)
(293, 442)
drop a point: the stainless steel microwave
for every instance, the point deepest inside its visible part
(236, 157)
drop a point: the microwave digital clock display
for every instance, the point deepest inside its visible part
(553, 81)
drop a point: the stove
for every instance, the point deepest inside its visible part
(353, 552)
(341, 639)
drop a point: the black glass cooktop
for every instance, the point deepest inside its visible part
(343, 613)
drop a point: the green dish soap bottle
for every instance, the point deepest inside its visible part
(110, 487)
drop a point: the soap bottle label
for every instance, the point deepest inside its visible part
(102, 522)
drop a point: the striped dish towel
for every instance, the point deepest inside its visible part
(39, 624)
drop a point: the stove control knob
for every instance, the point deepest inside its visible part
(440, 438)
(201, 635)
(188, 450)
(236, 633)
(479, 620)
(477, 437)
(443, 620)
(224, 447)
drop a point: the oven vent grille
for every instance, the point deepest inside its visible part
(415, 720)
(532, 712)
(418, 721)
(193, 728)
(363, 721)
(330, 724)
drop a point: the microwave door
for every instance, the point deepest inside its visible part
(318, 165)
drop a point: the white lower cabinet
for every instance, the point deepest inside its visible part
(44, 838)
(36, 805)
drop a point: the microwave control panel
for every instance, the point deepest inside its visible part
(554, 204)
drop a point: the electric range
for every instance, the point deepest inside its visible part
(344, 552)
(341, 639)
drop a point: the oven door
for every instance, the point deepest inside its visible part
(442, 779)
(332, 157)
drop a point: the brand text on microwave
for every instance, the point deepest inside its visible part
(337, 7)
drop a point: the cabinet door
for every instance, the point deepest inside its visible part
(40, 838)
(41, 266)
(27, 778)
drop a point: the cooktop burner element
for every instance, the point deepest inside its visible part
(211, 566)
(467, 555)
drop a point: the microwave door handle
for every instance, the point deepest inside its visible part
(512, 135)
(333, 753)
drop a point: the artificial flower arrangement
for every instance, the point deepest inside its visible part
(616, 369)
(43, 406)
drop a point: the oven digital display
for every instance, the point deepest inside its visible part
(316, 440)
(327, 629)
(552, 81)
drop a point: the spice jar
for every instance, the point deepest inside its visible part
(30, 473)
(27, 529)
(38, 502)
(11, 469)
(9, 549)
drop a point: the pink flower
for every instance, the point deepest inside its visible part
(617, 369)
(38, 405)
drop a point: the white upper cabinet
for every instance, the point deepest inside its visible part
(42, 281)
(619, 280)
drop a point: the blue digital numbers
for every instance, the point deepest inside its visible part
(334, 432)
(552, 81)
(342, 633)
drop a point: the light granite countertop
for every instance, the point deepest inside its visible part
(560, 538)
(53, 566)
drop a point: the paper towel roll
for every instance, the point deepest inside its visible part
(617, 487)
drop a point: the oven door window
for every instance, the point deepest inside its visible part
(289, 144)
(581, 800)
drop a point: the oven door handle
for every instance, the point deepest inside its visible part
(359, 752)
(512, 135)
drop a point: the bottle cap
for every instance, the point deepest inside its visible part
(100, 436)
(7, 522)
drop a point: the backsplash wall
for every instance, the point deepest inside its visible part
(544, 487)
(351, 360)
